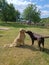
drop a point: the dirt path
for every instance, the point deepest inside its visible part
(4, 28)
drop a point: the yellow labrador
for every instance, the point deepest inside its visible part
(19, 40)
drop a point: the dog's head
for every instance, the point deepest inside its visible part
(22, 31)
(29, 32)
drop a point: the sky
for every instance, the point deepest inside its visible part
(43, 5)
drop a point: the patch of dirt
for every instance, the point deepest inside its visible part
(4, 28)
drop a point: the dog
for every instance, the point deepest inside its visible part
(19, 40)
(37, 37)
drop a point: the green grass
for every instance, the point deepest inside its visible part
(26, 55)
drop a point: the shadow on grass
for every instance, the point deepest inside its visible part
(1, 35)
(29, 47)
(46, 50)
(34, 48)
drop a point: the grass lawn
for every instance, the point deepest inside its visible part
(26, 55)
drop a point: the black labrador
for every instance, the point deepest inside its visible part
(37, 37)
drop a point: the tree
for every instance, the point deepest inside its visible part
(17, 15)
(8, 12)
(31, 13)
(13, 15)
(2, 6)
(0, 10)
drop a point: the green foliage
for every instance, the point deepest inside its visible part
(17, 15)
(0, 4)
(8, 12)
(46, 20)
(31, 13)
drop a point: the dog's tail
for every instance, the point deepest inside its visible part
(45, 36)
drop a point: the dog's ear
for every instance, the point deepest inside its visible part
(21, 29)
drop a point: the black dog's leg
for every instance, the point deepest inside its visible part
(39, 44)
(32, 42)
(43, 43)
